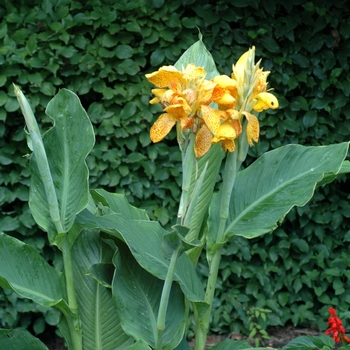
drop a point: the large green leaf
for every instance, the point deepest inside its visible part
(139, 345)
(119, 204)
(23, 270)
(200, 56)
(266, 191)
(98, 315)
(138, 294)
(144, 239)
(229, 344)
(310, 343)
(19, 340)
(329, 177)
(67, 144)
(184, 344)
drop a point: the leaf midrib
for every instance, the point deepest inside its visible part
(269, 194)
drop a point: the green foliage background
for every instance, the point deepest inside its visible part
(101, 49)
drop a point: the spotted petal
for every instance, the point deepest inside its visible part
(180, 110)
(164, 76)
(162, 127)
(193, 72)
(211, 118)
(253, 128)
(203, 141)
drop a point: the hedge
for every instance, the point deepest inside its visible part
(101, 49)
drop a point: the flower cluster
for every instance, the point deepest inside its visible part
(336, 327)
(187, 98)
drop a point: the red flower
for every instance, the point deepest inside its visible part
(336, 327)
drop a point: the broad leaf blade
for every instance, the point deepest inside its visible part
(138, 294)
(67, 144)
(304, 343)
(139, 345)
(19, 340)
(119, 204)
(99, 320)
(328, 178)
(266, 191)
(183, 345)
(229, 344)
(200, 56)
(144, 239)
(23, 270)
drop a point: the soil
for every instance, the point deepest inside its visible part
(279, 336)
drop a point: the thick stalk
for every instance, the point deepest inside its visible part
(188, 163)
(202, 325)
(214, 254)
(165, 299)
(74, 327)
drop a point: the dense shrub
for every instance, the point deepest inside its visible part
(101, 50)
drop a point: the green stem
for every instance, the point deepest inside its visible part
(74, 327)
(165, 299)
(188, 163)
(231, 169)
(214, 253)
(202, 327)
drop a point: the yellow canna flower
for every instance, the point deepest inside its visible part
(186, 95)
(181, 94)
(252, 93)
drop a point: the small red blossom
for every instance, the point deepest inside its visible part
(336, 328)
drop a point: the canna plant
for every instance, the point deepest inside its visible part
(127, 283)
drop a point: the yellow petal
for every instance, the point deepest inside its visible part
(233, 114)
(154, 100)
(225, 81)
(226, 132)
(180, 110)
(203, 141)
(164, 76)
(158, 93)
(237, 126)
(218, 92)
(253, 128)
(226, 100)
(186, 123)
(228, 145)
(261, 84)
(162, 127)
(190, 96)
(192, 72)
(226, 91)
(243, 66)
(265, 100)
(211, 118)
(206, 92)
